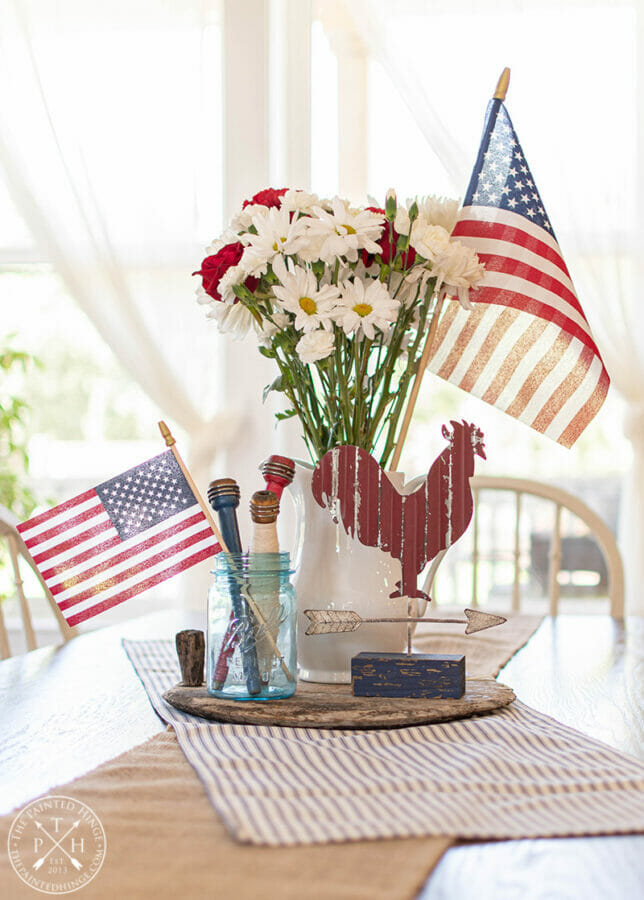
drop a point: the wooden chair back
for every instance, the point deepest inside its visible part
(19, 554)
(562, 500)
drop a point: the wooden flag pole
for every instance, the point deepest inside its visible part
(170, 442)
(411, 403)
(499, 94)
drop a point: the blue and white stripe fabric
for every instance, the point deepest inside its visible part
(511, 774)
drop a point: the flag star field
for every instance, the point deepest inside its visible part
(145, 495)
(502, 177)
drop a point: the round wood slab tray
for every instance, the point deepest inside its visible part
(334, 706)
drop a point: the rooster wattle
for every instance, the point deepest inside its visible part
(413, 527)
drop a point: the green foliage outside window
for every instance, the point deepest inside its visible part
(14, 459)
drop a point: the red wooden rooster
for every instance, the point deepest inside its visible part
(412, 527)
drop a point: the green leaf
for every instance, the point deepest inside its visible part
(287, 414)
(276, 385)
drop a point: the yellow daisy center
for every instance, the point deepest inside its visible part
(363, 309)
(275, 246)
(348, 228)
(309, 306)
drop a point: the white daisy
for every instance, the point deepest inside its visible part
(315, 345)
(300, 295)
(345, 230)
(361, 309)
(276, 236)
(232, 319)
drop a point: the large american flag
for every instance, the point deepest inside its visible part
(119, 538)
(526, 347)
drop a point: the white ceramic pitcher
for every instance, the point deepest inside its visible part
(335, 571)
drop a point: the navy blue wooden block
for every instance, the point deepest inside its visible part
(428, 675)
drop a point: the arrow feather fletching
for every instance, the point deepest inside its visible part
(332, 621)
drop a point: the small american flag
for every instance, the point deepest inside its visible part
(120, 538)
(526, 347)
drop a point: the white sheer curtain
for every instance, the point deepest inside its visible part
(110, 123)
(577, 89)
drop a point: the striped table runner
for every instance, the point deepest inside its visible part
(512, 774)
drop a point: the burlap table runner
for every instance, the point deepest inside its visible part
(164, 839)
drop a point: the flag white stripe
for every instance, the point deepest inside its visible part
(514, 220)
(502, 282)
(456, 326)
(77, 548)
(61, 518)
(485, 324)
(549, 385)
(128, 583)
(100, 518)
(525, 368)
(576, 401)
(520, 254)
(133, 560)
(503, 349)
(123, 546)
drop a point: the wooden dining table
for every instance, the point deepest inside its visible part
(64, 711)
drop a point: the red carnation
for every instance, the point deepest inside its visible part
(388, 243)
(213, 269)
(267, 197)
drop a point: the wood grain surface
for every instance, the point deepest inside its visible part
(65, 711)
(334, 706)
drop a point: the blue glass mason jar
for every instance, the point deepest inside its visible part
(252, 616)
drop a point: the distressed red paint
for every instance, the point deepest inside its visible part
(413, 527)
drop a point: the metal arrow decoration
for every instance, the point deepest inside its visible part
(335, 621)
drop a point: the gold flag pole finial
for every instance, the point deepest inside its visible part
(502, 85)
(166, 434)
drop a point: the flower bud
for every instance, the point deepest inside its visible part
(390, 205)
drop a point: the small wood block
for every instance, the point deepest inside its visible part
(191, 650)
(428, 675)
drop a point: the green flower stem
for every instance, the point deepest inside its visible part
(343, 388)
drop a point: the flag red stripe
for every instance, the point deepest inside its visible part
(113, 560)
(587, 412)
(525, 304)
(147, 563)
(56, 510)
(143, 585)
(72, 542)
(499, 232)
(506, 265)
(66, 525)
(79, 558)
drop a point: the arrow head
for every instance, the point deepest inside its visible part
(478, 621)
